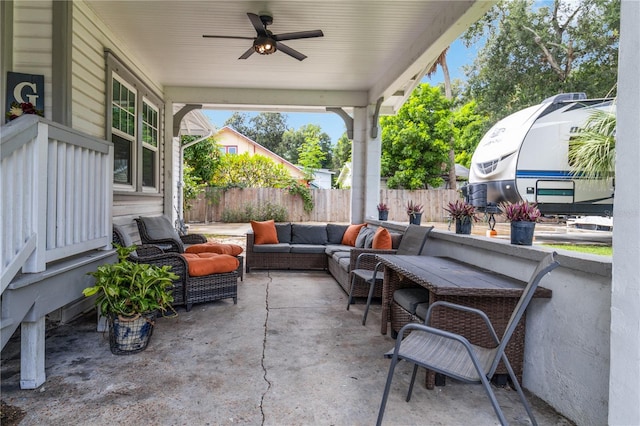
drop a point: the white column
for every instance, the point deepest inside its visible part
(170, 164)
(32, 354)
(365, 166)
(624, 392)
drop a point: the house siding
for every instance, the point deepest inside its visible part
(32, 42)
(90, 39)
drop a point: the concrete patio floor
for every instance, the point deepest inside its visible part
(288, 353)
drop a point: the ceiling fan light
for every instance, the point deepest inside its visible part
(264, 45)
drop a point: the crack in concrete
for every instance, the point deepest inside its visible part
(264, 347)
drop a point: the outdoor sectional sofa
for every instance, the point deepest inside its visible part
(314, 247)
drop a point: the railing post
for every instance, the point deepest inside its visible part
(38, 216)
(32, 372)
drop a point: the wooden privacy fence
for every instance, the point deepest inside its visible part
(330, 205)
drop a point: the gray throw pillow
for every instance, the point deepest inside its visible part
(362, 236)
(159, 228)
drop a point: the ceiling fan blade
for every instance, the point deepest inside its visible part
(223, 36)
(248, 53)
(289, 51)
(298, 35)
(257, 23)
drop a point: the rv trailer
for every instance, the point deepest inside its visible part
(525, 157)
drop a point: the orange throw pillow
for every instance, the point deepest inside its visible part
(264, 232)
(219, 248)
(210, 264)
(382, 239)
(350, 235)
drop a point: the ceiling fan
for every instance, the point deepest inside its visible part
(265, 42)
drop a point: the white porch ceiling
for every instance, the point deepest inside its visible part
(369, 49)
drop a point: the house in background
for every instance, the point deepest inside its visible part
(233, 142)
(322, 179)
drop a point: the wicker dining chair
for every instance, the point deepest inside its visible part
(452, 355)
(412, 243)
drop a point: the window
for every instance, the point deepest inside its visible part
(232, 149)
(135, 130)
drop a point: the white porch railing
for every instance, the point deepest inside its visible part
(56, 192)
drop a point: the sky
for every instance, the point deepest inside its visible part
(331, 123)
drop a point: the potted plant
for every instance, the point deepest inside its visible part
(130, 295)
(523, 217)
(415, 212)
(383, 211)
(463, 213)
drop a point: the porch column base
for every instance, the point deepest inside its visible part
(32, 338)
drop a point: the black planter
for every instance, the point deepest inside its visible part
(415, 218)
(383, 215)
(522, 233)
(463, 225)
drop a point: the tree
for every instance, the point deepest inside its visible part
(415, 142)
(469, 127)
(250, 171)
(239, 121)
(310, 153)
(534, 50)
(203, 157)
(341, 152)
(292, 140)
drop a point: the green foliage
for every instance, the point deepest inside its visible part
(250, 212)
(533, 50)
(250, 171)
(294, 140)
(469, 126)
(584, 248)
(415, 142)
(203, 157)
(341, 152)
(310, 154)
(592, 152)
(128, 288)
(296, 188)
(191, 186)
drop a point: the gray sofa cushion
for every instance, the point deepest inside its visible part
(332, 248)
(283, 229)
(308, 234)
(395, 239)
(410, 298)
(306, 248)
(335, 232)
(272, 248)
(364, 233)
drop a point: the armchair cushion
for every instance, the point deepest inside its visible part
(382, 239)
(219, 248)
(409, 298)
(350, 235)
(210, 263)
(159, 228)
(264, 232)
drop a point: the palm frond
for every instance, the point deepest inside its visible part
(592, 150)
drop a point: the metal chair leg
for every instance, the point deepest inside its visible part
(387, 387)
(372, 286)
(353, 283)
(413, 380)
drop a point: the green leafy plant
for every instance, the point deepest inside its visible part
(250, 212)
(128, 288)
(304, 192)
(413, 209)
(522, 211)
(462, 210)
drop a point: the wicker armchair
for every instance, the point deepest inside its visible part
(157, 230)
(187, 290)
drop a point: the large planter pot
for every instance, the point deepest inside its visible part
(463, 225)
(522, 233)
(383, 215)
(129, 335)
(415, 218)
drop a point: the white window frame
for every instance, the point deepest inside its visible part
(131, 138)
(117, 70)
(155, 149)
